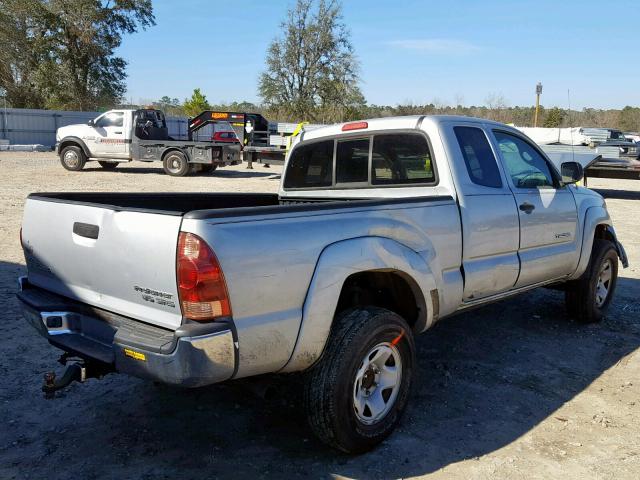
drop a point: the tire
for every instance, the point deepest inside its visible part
(73, 158)
(175, 164)
(108, 165)
(588, 298)
(338, 382)
(208, 168)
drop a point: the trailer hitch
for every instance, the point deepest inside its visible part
(78, 370)
(74, 372)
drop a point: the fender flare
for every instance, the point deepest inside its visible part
(76, 140)
(595, 216)
(622, 254)
(336, 263)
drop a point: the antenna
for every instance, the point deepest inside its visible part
(573, 154)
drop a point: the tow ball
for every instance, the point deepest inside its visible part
(78, 370)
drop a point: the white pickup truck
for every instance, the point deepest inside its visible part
(120, 136)
(381, 228)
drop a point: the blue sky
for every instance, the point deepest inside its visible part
(409, 51)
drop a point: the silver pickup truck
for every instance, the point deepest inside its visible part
(380, 229)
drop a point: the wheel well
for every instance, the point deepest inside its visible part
(603, 232)
(169, 150)
(388, 289)
(72, 143)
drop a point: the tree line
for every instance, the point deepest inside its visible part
(626, 119)
(60, 54)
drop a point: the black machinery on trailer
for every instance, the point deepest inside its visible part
(252, 129)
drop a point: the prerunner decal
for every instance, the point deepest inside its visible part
(154, 296)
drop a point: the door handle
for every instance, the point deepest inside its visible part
(118, 133)
(86, 230)
(527, 207)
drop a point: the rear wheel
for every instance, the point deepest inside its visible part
(355, 395)
(175, 164)
(588, 298)
(108, 165)
(72, 158)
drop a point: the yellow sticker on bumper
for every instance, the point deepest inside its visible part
(135, 355)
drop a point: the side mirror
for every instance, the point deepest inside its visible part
(571, 172)
(91, 123)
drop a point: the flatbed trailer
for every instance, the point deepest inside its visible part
(619, 173)
(610, 160)
(252, 130)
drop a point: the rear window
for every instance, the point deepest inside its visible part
(352, 161)
(380, 159)
(401, 159)
(310, 166)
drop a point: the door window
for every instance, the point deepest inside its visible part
(400, 159)
(526, 166)
(111, 119)
(478, 157)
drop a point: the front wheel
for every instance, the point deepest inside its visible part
(355, 395)
(175, 164)
(72, 158)
(588, 298)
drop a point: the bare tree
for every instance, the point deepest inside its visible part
(497, 107)
(311, 70)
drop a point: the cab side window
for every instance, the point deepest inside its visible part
(525, 165)
(399, 159)
(478, 157)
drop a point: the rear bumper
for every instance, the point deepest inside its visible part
(192, 356)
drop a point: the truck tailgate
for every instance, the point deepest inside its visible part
(119, 260)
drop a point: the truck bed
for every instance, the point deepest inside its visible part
(163, 203)
(109, 250)
(214, 205)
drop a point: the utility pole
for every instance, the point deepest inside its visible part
(5, 133)
(538, 93)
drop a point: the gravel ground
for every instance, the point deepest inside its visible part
(512, 390)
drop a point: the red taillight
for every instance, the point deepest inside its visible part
(354, 126)
(201, 286)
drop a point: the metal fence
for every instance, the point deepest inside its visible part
(29, 127)
(21, 126)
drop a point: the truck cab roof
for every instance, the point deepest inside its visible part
(389, 123)
(372, 158)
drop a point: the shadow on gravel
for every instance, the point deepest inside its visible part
(220, 173)
(485, 378)
(619, 194)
